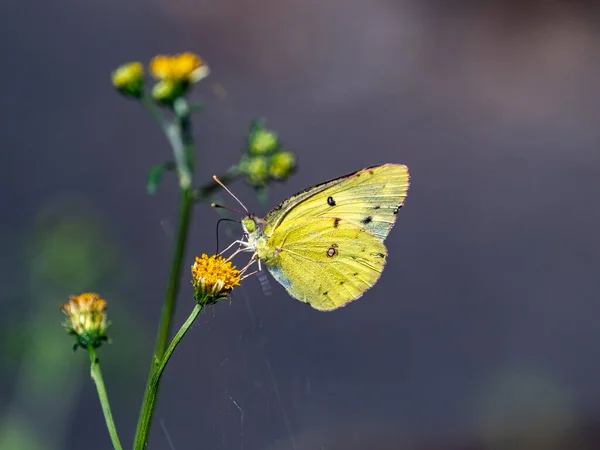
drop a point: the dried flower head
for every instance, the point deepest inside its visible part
(182, 68)
(213, 278)
(86, 319)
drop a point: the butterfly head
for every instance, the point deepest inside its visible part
(253, 227)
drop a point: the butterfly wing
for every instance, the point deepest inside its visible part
(369, 199)
(324, 263)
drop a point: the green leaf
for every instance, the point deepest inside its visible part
(155, 175)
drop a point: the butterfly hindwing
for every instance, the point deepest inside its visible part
(369, 198)
(325, 262)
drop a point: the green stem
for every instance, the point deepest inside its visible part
(180, 137)
(166, 318)
(173, 131)
(96, 375)
(154, 111)
(141, 438)
(187, 137)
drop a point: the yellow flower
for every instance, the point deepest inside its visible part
(213, 278)
(182, 68)
(86, 319)
(282, 165)
(129, 79)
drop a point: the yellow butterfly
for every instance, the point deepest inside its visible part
(325, 244)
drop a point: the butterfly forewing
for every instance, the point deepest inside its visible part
(369, 199)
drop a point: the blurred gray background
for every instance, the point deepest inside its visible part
(483, 331)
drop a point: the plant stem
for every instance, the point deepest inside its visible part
(187, 138)
(166, 317)
(164, 330)
(96, 375)
(182, 144)
(141, 437)
(173, 131)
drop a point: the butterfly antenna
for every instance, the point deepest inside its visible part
(216, 205)
(230, 193)
(218, 223)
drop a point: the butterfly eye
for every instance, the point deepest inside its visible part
(249, 225)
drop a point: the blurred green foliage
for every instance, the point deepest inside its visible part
(68, 250)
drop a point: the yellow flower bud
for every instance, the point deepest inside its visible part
(257, 170)
(282, 165)
(213, 278)
(167, 91)
(86, 319)
(129, 79)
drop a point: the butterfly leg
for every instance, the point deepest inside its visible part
(240, 242)
(244, 246)
(252, 261)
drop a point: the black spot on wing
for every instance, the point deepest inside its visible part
(376, 207)
(367, 220)
(336, 222)
(316, 187)
(330, 201)
(326, 292)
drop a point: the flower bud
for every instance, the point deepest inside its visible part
(86, 319)
(129, 79)
(167, 91)
(261, 141)
(256, 170)
(282, 165)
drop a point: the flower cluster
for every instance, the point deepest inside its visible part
(86, 319)
(265, 159)
(213, 278)
(174, 75)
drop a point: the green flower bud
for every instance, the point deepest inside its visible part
(261, 141)
(282, 165)
(167, 91)
(129, 79)
(257, 171)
